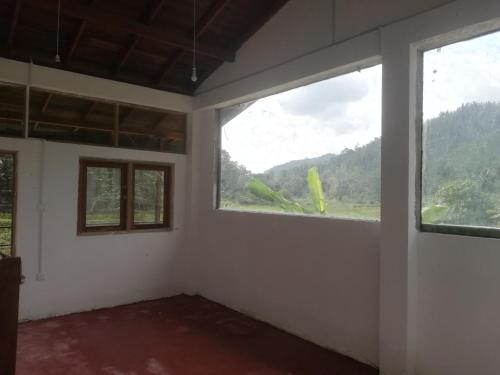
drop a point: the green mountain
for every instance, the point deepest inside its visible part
(461, 169)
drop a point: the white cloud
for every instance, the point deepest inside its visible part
(310, 121)
(461, 73)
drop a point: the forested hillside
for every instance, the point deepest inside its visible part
(461, 173)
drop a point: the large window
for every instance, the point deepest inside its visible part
(119, 196)
(313, 150)
(7, 202)
(461, 138)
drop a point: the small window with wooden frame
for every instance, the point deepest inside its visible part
(7, 203)
(119, 196)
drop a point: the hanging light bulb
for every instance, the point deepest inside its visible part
(57, 57)
(194, 75)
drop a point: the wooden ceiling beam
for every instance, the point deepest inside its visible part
(110, 21)
(13, 24)
(153, 12)
(201, 26)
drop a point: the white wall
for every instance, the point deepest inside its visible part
(315, 277)
(437, 298)
(459, 305)
(311, 26)
(90, 271)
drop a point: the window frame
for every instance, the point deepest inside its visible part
(167, 187)
(127, 196)
(449, 229)
(14, 202)
(217, 162)
(82, 196)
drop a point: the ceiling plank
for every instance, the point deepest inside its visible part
(13, 24)
(127, 54)
(78, 36)
(201, 26)
(110, 21)
(76, 41)
(210, 15)
(153, 12)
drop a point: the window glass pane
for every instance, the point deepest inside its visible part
(103, 196)
(461, 134)
(12, 99)
(313, 150)
(149, 202)
(60, 117)
(6, 202)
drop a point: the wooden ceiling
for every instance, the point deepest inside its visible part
(144, 42)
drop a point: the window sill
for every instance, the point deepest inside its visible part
(459, 230)
(132, 231)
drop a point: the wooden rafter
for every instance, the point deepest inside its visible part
(112, 22)
(46, 102)
(13, 23)
(171, 134)
(201, 26)
(153, 12)
(45, 105)
(127, 116)
(89, 111)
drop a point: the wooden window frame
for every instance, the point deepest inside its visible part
(82, 196)
(167, 180)
(14, 202)
(127, 196)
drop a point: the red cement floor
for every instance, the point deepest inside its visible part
(175, 336)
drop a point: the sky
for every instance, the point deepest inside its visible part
(345, 111)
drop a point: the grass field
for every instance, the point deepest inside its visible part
(334, 209)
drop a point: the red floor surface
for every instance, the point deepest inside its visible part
(175, 336)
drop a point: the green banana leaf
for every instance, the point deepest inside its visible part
(432, 214)
(264, 192)
(316, 190)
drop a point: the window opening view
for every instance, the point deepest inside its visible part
(149, 195)
(461, 137)
(7, 203)
(104, 194)
(313, 150)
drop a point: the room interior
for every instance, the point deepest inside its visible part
(142, 95)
